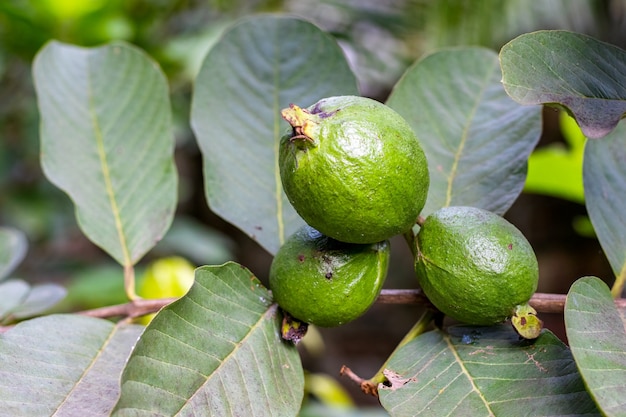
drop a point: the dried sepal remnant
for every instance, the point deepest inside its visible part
(395, 380)
(302, 121)
(292, 329)
(526, 323)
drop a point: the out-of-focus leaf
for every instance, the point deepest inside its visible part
(217, 351)
(477, 140)
(259, 66)
(106, 140)
(573, 70)
(20, 300)
(484, 371)
(197, 242)
(557, 170)
(13, 247)
(94, 287)
(65, 365)
(596, 335)
(604, 176)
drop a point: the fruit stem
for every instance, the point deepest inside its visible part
(409, 237)
(618, 285)
(370, 386)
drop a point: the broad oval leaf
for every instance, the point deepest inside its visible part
(19, 300)
(260, 66)
(477, 140)
(484, 371)
(581, 73)
(217, 351)
(13, 247)
(66, 365)
(597, 338)
(604, 178)
(106, 140)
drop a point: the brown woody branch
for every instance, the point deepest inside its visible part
(542, 302)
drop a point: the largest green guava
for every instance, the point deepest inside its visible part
(476, 267)
(353, 169)
(322, 281)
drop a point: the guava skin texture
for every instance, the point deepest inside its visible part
(353, 169)
(474, 266)
(321, 281)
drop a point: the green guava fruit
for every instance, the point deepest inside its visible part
(353, 169)
(322, 281)
(476, 267)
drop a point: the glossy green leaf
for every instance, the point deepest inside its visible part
(477, 140)
(106, 140)
(596, 335)
(557, 169)
(573, 70)
(19, 300)
(484, 371)
(13, 247)
(63, 365)
(604, 175)
(217, 351)
(260, 66)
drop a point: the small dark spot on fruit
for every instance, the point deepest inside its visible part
(324, 115)
(301, 258)
(510, 246)
(523, 321)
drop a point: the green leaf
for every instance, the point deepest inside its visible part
(604, 175)
(217, 351)
(484, 371)
(260, 66)
(557, 170)
(63, 365)
(106, 140)
(13, 247)
(597, 338)
(477, 140)
(576, 71)
(18, 299)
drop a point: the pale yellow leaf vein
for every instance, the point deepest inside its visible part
(467, 374)
(277, 180)
(86, 371)
(463, 142)
(106, 174)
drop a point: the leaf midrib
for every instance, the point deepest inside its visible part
(277, 179)
(271, 310)
(106, 173)
(465, 372)
(464, 136)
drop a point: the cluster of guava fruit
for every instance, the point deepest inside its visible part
(354, 170)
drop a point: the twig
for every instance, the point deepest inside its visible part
(542, 302)
(136, 308)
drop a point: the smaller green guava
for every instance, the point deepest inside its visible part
(322, 281)
(476, 267)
